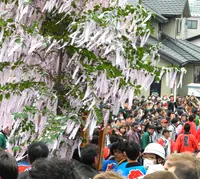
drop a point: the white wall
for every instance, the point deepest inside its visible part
(194, 32)
(196, 42)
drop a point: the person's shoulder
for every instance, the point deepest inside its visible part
(23, 175)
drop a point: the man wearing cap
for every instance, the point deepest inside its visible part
(147, 137)
(133, 134)
(167, 143)
(164, 124)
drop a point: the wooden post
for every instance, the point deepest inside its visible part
(84, 134)
(102, 142)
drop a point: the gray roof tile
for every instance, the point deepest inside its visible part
(178, 51)
(166, 7)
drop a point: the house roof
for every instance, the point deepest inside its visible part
(176, 51)
(168, 8)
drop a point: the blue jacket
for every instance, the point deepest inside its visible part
(133, 170)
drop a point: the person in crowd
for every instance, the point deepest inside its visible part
(171, 104)
(8, 166)
(173, 129)
(35, 151)
(108, 175)
(108, 133)
(133, 134)
(164, 124)
(122, 130)
(132, 169)
(86, 167)
(166, 142)
(183, 165)
(153, 157)
(147, 137)
(192, 125)
(4, 136)
(161, 175)
(118, 149)
(129, 120)
(160, 113)
(54, 168)
(110, 162)
(186, 142)
(158, 132)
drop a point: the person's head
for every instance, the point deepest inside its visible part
(174, 121)
(132, 151)
(159, 111)
(135, 126)
(183, 118)
(108, 131)
(52, 169)
(164, 123)
(129, 119)
(108, 175)
(183, 165)
(159, 128)
(8, 166)
(95, 139)
(154, 153)
(118, 148)
(151, 129)
(187, 127)
(166, 133)
(122, 129)
(114, 138)
(7, 131)
(191, 118)
(161, 175)
(171, 98)
(172, 115)
(89, 154)
(37, 150)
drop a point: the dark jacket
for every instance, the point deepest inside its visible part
(84, 171)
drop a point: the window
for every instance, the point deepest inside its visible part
(192, 24)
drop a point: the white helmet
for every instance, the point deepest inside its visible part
(155, 148)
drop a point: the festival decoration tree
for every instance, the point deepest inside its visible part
(62, 58)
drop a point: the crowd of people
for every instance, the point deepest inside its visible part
(155, 138)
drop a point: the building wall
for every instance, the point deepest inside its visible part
(155, 26)
(194, 32)
(187, 78)
(170, 28)
(164, 89)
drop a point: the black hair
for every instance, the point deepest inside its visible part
(121, 146)
(53, 169)
(159, 110)
(8, 166)
(88, 154)
(187, 127)
(191, 118)
(37, 150)
(113, 138)
(132, 150)
(96, 131)
(174, 120)
(95, 139)
(129, 116)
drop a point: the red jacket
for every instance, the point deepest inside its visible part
(198, 135)
(186, 143)
(172, 144)
(193, 130)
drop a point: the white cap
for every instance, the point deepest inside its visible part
(155, 148)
